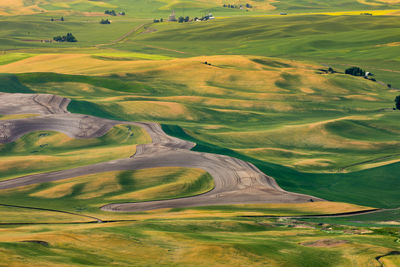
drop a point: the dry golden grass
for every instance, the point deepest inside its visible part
(17, 116)
(57, 161)
(156, 109)
(390, 44)
(361, 97)
(314, 162)
(18, 7)
(95, 185)
(366, 2)
(378, 164)
(249, 151)
(18, 215)
(100, 184)
(187, 177)
(391, 261)
(238, 76)
(323, 207)
(358, 12)
(301, 135)
(285, 209)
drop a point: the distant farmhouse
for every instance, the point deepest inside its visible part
(172, 17)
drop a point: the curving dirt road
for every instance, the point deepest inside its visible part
(236, 181)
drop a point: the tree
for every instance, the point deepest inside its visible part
(66, 38)
(105, 21)
(389, 85)
(62, 18)
(355, 71)
(70, 38)
(397, 101)
(161, 20)
(181, 19)
(58, 38)
(186, 18)
(110, 12)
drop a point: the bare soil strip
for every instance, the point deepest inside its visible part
(236, 181)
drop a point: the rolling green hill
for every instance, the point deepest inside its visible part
(251, 84)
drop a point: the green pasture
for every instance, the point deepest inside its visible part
(339, 41)
(389, 217)
(28, 31)
(189, 242)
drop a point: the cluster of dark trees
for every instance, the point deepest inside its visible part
(397, 102)
(60, 19)
(113, 13)
(105, 21)
(158, 20)
(355, 71)
(66, 38)
(237, 6)
(183, 19)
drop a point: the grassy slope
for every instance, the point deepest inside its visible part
(260, 121)
(172, 237)
(336, 40)
(375, 187)
(28, 154)
(86, 194)
(27, 31)
(194, 242)
(340, 115)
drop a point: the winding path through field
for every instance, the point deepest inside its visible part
(236, 181)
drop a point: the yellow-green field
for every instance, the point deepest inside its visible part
(188, 242)
(252, 84)
(256, 87)
(50, 151)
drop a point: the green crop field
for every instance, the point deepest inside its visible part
(263, 82)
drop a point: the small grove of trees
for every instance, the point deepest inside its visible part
(158, 20)
(65, 38)
(113, 13)
(237, 6)
(110, 12)
(397, 102)
(183, 19)
(355, 71)
(105, 21)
